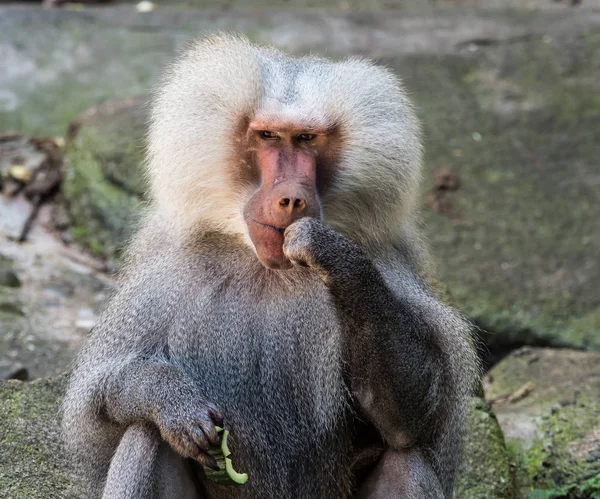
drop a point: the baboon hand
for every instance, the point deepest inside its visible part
(303, 241)
(189, 428)
(338, 260)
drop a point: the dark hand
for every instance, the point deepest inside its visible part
(312, 243)
(353, 280)
(189, 427)
(301, 241)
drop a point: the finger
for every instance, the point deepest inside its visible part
(199, 437)
(300, 263)
(207, 460)
(288, 230)
(184, 446)
(216, 416)
(209, 432)
(291, 253)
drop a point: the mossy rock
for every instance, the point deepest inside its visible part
(589, 489)
(485, 472)
(11, 311)
(516, 121)
(103, 183)
(31, 463)
(20, 344)
(548, 405)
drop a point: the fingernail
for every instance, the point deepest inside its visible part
(217, 417)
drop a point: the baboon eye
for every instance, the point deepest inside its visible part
(306, 137)
(268, 135)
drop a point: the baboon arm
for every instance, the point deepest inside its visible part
(123, 369)
(393, 343)
(141, 389)
(397, 366)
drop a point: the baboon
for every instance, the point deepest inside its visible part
(276, 287)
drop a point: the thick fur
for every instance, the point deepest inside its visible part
(292, 359)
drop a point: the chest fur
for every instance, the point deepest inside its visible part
(272, 366)
(272, 357)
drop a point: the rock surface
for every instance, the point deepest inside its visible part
(548, 406)
(49, 293)
(103, 185)
(31, 463)
(20, 347)
(486, 473)
(517, 123)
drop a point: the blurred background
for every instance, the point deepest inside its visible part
(509, 96)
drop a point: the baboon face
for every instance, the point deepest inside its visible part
(246, 140)
(292, 165)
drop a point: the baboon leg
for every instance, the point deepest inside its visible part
(177, 478)
(145, 467)
(402, 475)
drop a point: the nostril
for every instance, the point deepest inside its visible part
(292, 205)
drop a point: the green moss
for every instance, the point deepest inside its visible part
(589, 489)
(505, 322)
(551, 463)
(521, 261)
(103, 183)
(552, 430)
(102, 213)
(31, 465)
(89, 62)
(485, 472)
(116, 140)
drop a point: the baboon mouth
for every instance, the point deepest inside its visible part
(280, 230)
(268, 243)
